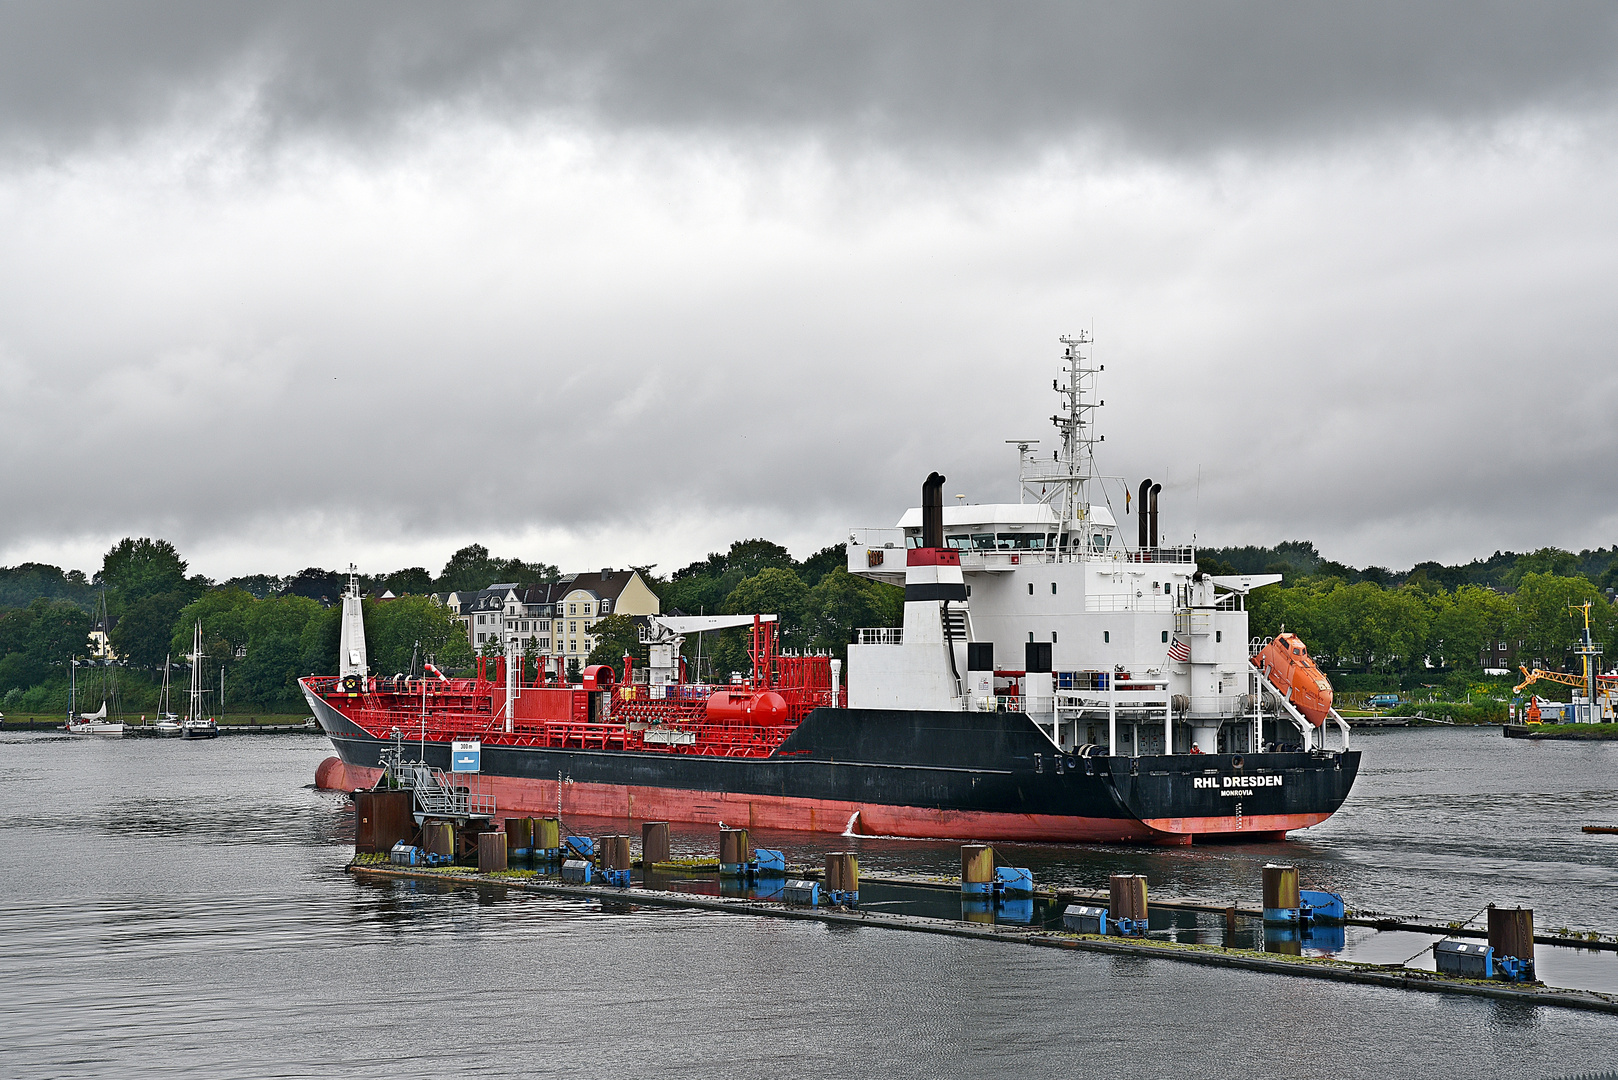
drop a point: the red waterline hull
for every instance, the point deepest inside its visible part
(521, 797)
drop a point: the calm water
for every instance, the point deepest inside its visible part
(177, 908)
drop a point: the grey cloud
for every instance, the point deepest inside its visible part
(1173, 77)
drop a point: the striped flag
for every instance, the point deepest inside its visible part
(1180, 651)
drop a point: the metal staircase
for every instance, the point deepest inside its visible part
(436, 794)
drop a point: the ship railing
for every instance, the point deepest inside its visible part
(1181, 553)
(1155, 603)
(880, 635)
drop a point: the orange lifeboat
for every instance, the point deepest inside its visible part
(1285, 662)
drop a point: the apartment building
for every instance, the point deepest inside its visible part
(552, 620)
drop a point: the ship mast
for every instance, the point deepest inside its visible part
(1061, 482)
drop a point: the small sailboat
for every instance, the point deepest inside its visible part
(95, 723)
(167, 722)
(195, 725)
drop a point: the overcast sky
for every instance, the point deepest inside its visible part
(600, 284)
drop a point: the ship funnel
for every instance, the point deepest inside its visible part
(1143, 512)
(932, 512)
(1155, 489)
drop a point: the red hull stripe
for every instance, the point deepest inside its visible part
(516, 797)
(1256, 823)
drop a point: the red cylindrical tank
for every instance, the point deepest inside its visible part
(759, 707)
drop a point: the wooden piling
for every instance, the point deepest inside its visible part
(614, 851)
(491, 852)
(977, 864)
(1127, 897)
(654, 843)
(1280, 887)
(438, 837)
(842, 871)
(519, 834)
(1511, 932)
(733, 847)
(547, 833)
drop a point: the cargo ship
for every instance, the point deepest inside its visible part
(1050, 682)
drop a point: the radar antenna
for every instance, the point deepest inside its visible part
(1061, 482)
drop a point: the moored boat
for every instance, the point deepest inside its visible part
(1049, 683)
(196, 725)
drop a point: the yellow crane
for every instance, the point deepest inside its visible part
(1605, 682)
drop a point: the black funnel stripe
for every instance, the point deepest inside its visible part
(935, 590)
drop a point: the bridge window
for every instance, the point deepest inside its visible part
(983, 541)
(960, 541)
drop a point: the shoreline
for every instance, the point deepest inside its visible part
(1569, 732)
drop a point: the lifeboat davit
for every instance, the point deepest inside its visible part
(1285, 662)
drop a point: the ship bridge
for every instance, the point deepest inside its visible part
(995, 538)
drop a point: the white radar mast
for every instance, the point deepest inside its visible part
(1061, 480)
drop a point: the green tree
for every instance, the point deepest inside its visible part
(774, 590)
(823, 562)
(1543, 618)
(39, 640)
(472, 567)
(59, 632)
(21, 585)
(413, 625)
(260, 586)
(144, 636)
(318, 642)
(615, 636)
(841, 603)
(1549, 561)
(411, 581)
(226, 624)
(268, 672)
(1463, 622)
(134, 569)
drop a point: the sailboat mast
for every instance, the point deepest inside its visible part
(196, 671)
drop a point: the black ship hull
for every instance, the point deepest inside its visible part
(946, 775)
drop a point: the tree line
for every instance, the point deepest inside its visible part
(266, 631)
(1431, 619)
(264, 639)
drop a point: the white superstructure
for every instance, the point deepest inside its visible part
(1041, 606)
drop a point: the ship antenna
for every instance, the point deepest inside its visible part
(1063, 481)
